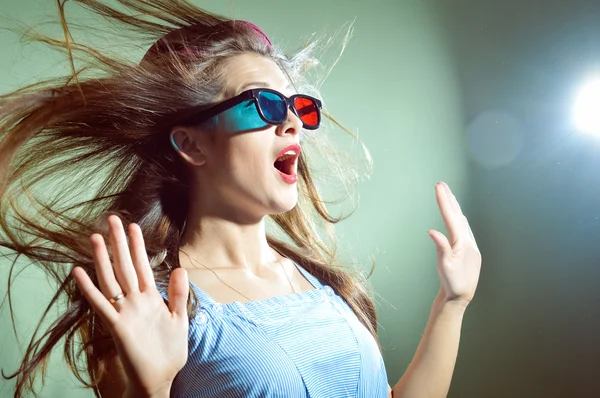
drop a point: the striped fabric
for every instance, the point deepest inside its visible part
(308, 344)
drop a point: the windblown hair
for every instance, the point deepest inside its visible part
(96, 142)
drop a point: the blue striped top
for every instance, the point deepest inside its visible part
(308, 344)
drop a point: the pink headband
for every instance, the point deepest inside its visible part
(162, 44)
(259, 31)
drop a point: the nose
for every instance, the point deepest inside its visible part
(292, 125)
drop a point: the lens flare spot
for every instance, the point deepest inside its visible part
(495, 138)
(586, 111)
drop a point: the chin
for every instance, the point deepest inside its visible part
(284, 205)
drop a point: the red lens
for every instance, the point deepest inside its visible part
(307, 111)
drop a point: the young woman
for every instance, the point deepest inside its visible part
(174, 286)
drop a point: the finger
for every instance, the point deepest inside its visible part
(453, 202)
(104, 269)
(140, 258)
(458, 210)
(462, 226)
(449, 214)
(178, 292)
(470, 230)
(99, 303)
(123, 265)
(442, 244)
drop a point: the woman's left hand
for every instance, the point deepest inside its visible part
(459, 260)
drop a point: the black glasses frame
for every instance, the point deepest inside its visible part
(201, 114)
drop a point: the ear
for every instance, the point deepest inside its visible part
(187, 141)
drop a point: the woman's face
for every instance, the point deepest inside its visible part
(239, 174)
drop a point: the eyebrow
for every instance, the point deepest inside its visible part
(260, 85)
(255, 84)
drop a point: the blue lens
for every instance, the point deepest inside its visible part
(273, 106)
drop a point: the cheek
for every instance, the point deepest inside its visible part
(242, 158)
(249, 159)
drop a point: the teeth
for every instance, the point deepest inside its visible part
(289, 154)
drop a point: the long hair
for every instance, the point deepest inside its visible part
(75, 149)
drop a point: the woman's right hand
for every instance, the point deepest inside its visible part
(150, 337)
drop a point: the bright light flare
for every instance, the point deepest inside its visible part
(587, 108)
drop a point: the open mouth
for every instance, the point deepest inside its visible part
(286, 162)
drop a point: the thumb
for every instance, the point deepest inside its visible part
(442, 244)
(178, 292)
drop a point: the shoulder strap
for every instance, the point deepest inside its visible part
(314, 281)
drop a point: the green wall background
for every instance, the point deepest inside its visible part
(413, 80)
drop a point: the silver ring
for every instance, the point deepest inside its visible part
(116, 298)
